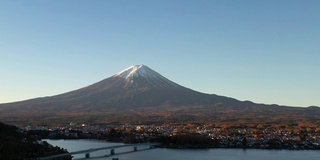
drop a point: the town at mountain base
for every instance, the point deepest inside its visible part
(140, 95)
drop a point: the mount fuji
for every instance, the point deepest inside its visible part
(135, 87)
(140, 94)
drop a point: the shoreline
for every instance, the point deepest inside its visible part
(190, 146)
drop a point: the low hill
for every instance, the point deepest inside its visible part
(18, 146)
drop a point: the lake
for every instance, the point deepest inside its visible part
(182, 154)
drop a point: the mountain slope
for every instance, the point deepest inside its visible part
(136, 86)
(141, 93)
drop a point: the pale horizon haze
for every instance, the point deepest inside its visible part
(263, 51)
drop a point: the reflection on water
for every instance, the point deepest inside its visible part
(183, 154)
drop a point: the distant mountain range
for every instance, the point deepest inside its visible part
(139, 94)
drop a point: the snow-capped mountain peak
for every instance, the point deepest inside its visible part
(142, 75)
(136, 70)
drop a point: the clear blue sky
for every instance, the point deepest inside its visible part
(263, 51)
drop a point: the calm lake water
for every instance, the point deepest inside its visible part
(182, 154)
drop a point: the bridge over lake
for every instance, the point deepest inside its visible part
(111, 153)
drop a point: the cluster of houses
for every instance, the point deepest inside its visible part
(228, 137)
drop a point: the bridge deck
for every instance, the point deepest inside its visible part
(109, 155)
(96, 149)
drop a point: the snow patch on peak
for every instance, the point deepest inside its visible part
(136, 70)
(146, 76)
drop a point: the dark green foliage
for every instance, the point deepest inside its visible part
(15, 145)
(189, 141)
